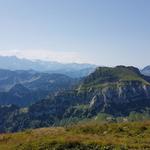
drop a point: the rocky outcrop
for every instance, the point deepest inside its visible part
(121, 98)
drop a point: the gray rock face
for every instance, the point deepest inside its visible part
(121, 97)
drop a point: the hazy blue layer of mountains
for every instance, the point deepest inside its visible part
(23, 82)
(116, 91)
(146, 70)
(26, 87)
(70, 69)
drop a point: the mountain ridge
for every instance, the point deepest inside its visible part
(25, 87)
(117, 91)
(146, 70)
(70, 69)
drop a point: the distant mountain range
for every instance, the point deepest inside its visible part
(116, 91)
(146, 70)
(25, 87)
(70, 69)
(23, 82)
(39, 94)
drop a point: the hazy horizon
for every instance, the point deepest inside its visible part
(65, 63)
(105, 33)
(57, 57)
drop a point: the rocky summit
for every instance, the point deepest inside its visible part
(116, 90)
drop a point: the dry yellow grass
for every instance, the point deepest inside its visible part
(130, 135)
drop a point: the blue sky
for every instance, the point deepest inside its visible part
(104, 32)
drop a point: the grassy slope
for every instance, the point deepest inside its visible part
(100, 78)
(126, 135)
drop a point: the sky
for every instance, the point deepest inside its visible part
(102, 32)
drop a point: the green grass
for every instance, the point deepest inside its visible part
(112, 77)
(82, 106)
(87, 136)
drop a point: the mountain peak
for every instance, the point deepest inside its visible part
(103, 75)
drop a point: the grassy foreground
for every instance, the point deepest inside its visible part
(87, 136)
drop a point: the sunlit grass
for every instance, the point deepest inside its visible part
(135, 135)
